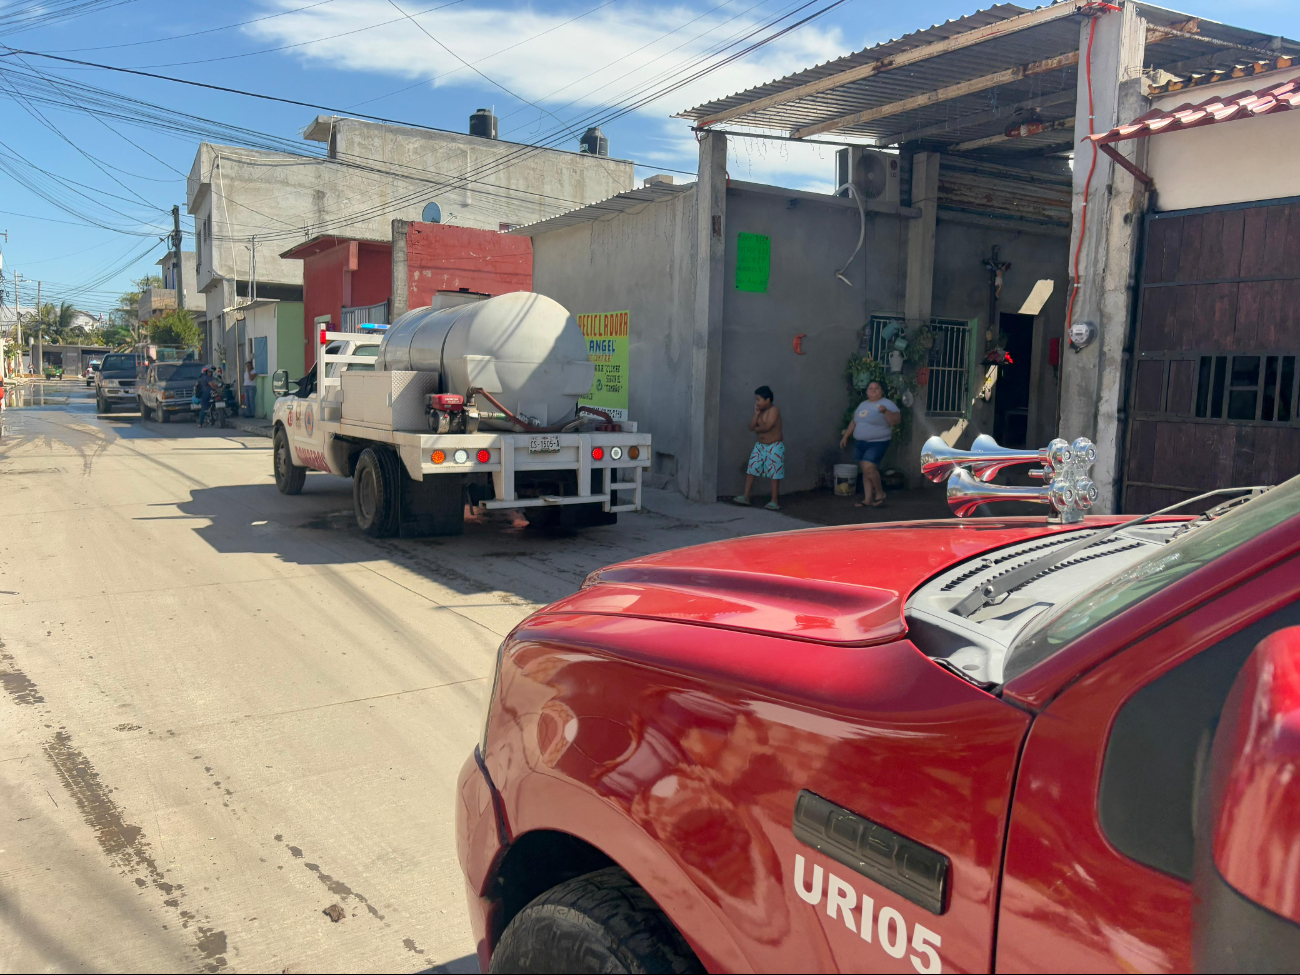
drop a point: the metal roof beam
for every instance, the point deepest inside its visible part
(925, 99)
(957, 42)
(951, 126)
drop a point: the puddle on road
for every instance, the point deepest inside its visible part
(44, 395)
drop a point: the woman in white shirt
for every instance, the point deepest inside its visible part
(872, 427)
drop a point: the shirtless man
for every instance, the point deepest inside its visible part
(767, 459)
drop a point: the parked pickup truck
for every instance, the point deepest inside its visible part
(115, 381)
(966, 746)
(166, 388)
(424, 438)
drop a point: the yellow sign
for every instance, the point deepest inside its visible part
(607, 348)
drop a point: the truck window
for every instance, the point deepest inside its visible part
(337, 368)
(1158, 743)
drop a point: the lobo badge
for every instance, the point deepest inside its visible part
(1069, 489)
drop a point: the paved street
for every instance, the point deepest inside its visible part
(228, 710)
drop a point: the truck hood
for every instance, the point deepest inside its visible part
(844, 586)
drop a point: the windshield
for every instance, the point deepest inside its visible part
(118, 363)
(181, 372)
(1200, 544)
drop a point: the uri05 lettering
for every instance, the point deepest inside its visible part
(886, 928)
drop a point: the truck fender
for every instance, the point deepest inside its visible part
(619, 837)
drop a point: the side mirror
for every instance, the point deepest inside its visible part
(280, 382)
(1246, 880)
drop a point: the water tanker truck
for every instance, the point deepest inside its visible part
(476, 403)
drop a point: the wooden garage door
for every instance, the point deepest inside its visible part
(1213, 396)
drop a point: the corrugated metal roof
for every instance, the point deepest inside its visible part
(622, 203)
(977, 114)
(1280, 97)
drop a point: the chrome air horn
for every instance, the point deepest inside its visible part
(1063, 465)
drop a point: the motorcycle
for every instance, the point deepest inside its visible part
(223, 406)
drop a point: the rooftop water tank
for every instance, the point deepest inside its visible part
(483, 124)
(594, 142)
(523, 348)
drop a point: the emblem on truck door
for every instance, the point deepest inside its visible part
(890, 859)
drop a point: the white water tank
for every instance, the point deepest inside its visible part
(523, 348)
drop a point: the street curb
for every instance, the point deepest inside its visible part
(256, 429)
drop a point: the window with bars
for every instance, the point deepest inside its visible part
(949, 370)
(1257, 387)
(945, 393)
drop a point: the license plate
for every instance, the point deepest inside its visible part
(543, 444)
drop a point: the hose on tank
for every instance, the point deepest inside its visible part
(532, 427)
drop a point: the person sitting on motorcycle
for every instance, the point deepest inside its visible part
(203, 389)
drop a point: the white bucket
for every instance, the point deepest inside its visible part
(846, 479)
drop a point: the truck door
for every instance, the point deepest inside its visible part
(1100, 848)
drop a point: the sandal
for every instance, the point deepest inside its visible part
(860, 504)
(878, 504)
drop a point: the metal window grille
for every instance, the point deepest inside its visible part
(354, 319)
(1252, 386)
(946, 390)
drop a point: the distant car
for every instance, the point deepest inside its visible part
(115, 382)
(166, 389)
(89, 374)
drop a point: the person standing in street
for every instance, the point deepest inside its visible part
(872, 427)
(767, 459)
(250, 389)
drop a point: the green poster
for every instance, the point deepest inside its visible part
(753, 262)
(607, 348)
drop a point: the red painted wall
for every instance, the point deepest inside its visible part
(356, 272)
(444, 258)
(438, 258)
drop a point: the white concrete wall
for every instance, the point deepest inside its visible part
(1229, 162)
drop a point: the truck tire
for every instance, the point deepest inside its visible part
(599, 922)
(100, 405)
(162, 415)
(375, 492)
(289, 478)
(139, 406)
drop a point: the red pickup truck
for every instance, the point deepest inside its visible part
(995, 744)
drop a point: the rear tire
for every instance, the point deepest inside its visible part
(289, 478)
(599, 922)
(375, 492)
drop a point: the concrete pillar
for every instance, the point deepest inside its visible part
(1094, 379)
(401, 286)
(706, 343)
(920, 239)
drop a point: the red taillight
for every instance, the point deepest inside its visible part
(597, 453)
(484, 457)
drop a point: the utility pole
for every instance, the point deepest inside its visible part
(178, 269)
(38, 366)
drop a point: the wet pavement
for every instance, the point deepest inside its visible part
(224, 711)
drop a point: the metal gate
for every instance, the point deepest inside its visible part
(1213, 394)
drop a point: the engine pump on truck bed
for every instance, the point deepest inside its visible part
(473, 403)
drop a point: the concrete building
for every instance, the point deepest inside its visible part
(835, 278)
(1070, 327)
(270, 335)
(251, 206)
(155, 301)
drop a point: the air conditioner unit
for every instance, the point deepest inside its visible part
(873, 173)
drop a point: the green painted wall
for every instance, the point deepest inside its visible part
(289, 350)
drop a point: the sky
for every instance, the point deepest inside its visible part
(88, 179)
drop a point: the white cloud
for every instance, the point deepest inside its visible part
(603, 58)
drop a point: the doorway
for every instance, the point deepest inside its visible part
(1011, 405)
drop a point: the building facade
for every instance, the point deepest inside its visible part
(251, 206)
